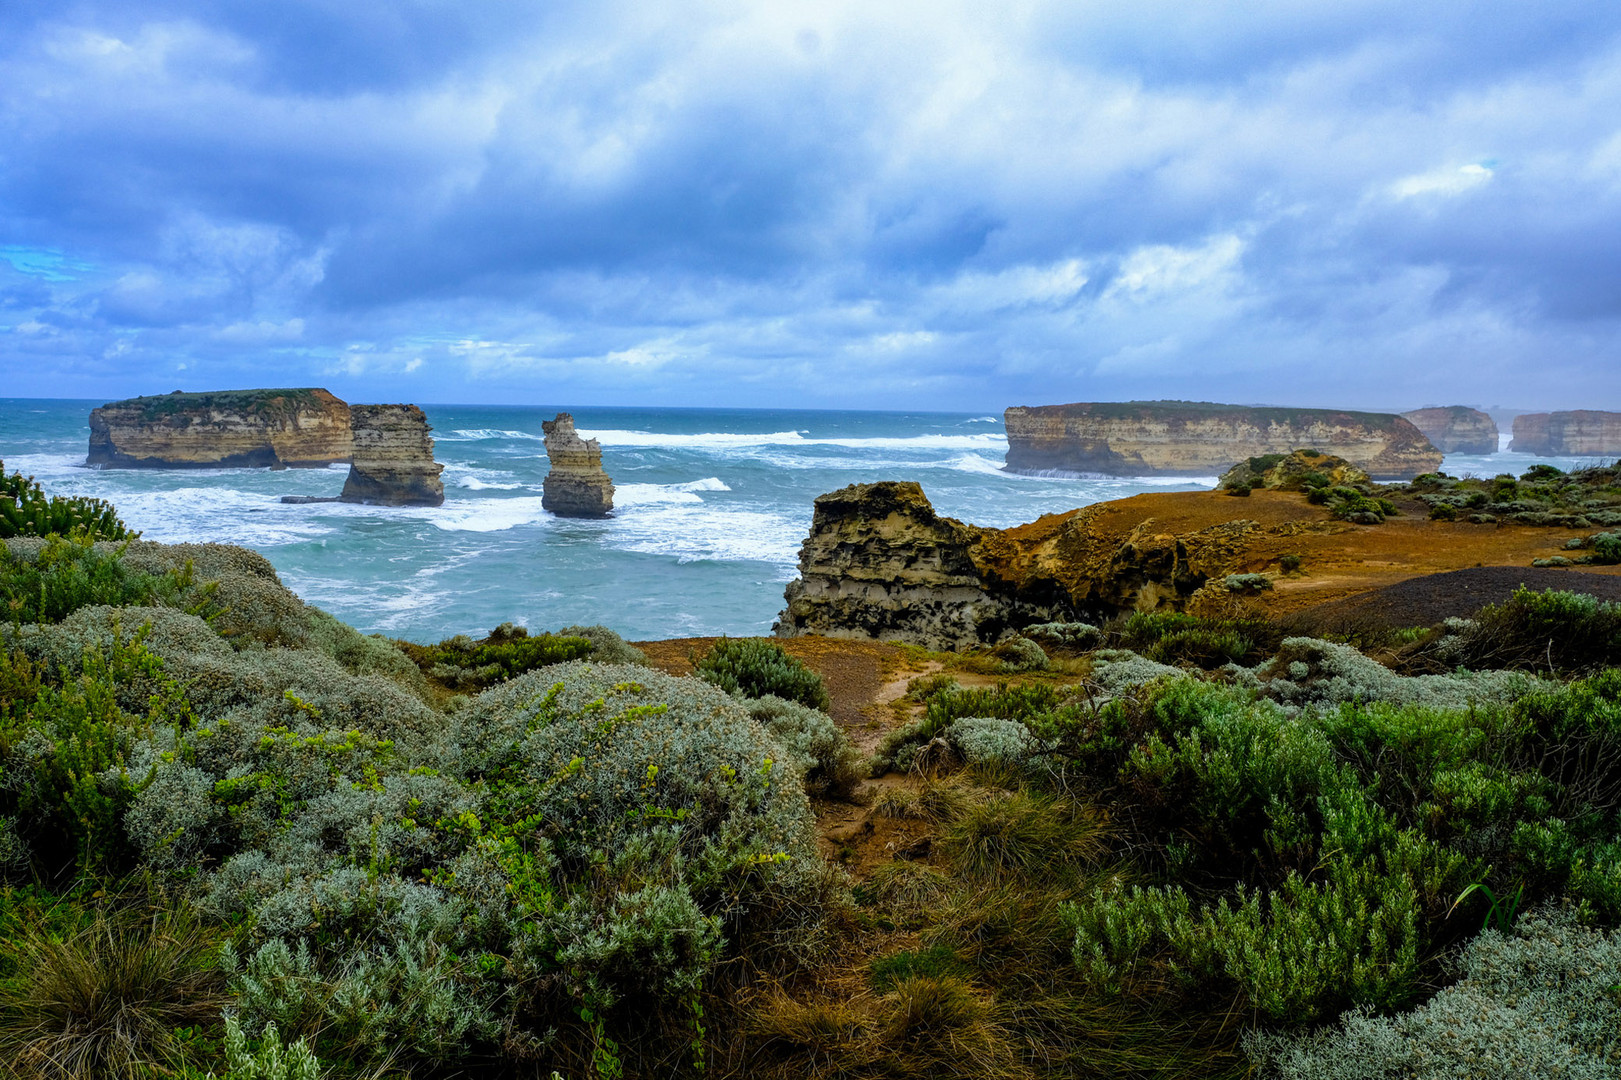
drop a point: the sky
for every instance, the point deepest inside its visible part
(957, 206)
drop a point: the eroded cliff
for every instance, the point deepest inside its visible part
(879, 563)
(576, 485)
(1580, 432)
(393, 458)
(1456, 429)
(1168, 438)
(301, 428)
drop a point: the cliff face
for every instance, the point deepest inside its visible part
(576, 486)
(1160, 438)
(1582, 432)
(393, 458)
(307, 428)
(1456, 429)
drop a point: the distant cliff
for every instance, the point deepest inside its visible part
(304, 428)
(1168, 438)
(393, 459)
(1456, 429)
(1582, 432)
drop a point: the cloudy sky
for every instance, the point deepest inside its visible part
(1370, 203)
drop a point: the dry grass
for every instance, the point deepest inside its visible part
(1022, 833)
(103, 1002)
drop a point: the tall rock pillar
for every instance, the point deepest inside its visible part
(393, 458)
(576, 486)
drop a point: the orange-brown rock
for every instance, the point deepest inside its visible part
(1191, 438)
(879, 563)
(393, 458)
(304, 428)
(1579, 433)
(1457, 429)
(576, 485)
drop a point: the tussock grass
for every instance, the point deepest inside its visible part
(103, 1001)
(1023, 833)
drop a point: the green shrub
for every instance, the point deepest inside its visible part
(46, 582)
(1290, 563)
(754, 667)
(1606, 548)
(1538, 1001)
(813, 741)
(1020, 833)
(1020, 654)
(1247, 583)
(1240, 488)
(26, 511)
(1536, 631)
(1541, 472)
(508, 652)
(271, 1061)
(607, 647)
(1443, 512)
(1068, 635)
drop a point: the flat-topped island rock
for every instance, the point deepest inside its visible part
(1457, 429)
(1198, 438)
(393, 458)
(576, 486)
(285, 428)
(1578, 432)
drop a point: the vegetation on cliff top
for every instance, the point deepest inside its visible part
(271, 404)
(241, 837)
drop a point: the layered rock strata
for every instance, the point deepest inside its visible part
(576, 486)
(1579, 433)
(1169, 438)
(1456, 429)
(302, 428)
(393, 458)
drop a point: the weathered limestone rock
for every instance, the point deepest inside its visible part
(304, 428)
(1579, 433)
(576, 486)
(1457, 429)
(1288, 472)
(1168, 438)
(393, 458)
(880, 563)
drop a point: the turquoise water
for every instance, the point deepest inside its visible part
(711, 507)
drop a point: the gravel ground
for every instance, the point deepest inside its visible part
(1425, 601)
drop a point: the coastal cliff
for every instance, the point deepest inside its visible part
(1581, 432)
(1168, 438)
(576, 486)
(880, 563)
(393, 458)
(1456, 429)
(299, 428)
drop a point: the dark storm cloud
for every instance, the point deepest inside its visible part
(928, 205)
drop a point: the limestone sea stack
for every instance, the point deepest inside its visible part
(302, 428)
(1456, 429)
(576, 486)
(393, 458)
(1194, 438)
(1580, 433)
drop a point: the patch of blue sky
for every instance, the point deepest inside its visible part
(47, 263)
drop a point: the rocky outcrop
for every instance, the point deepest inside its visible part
(576, 486)
(306, 428)
(1170, 438)
(1293, 472)
(1456, 429)
(393, 458)
(1579, 433)
(880, 563)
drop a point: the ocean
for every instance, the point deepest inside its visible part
(711, 508)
